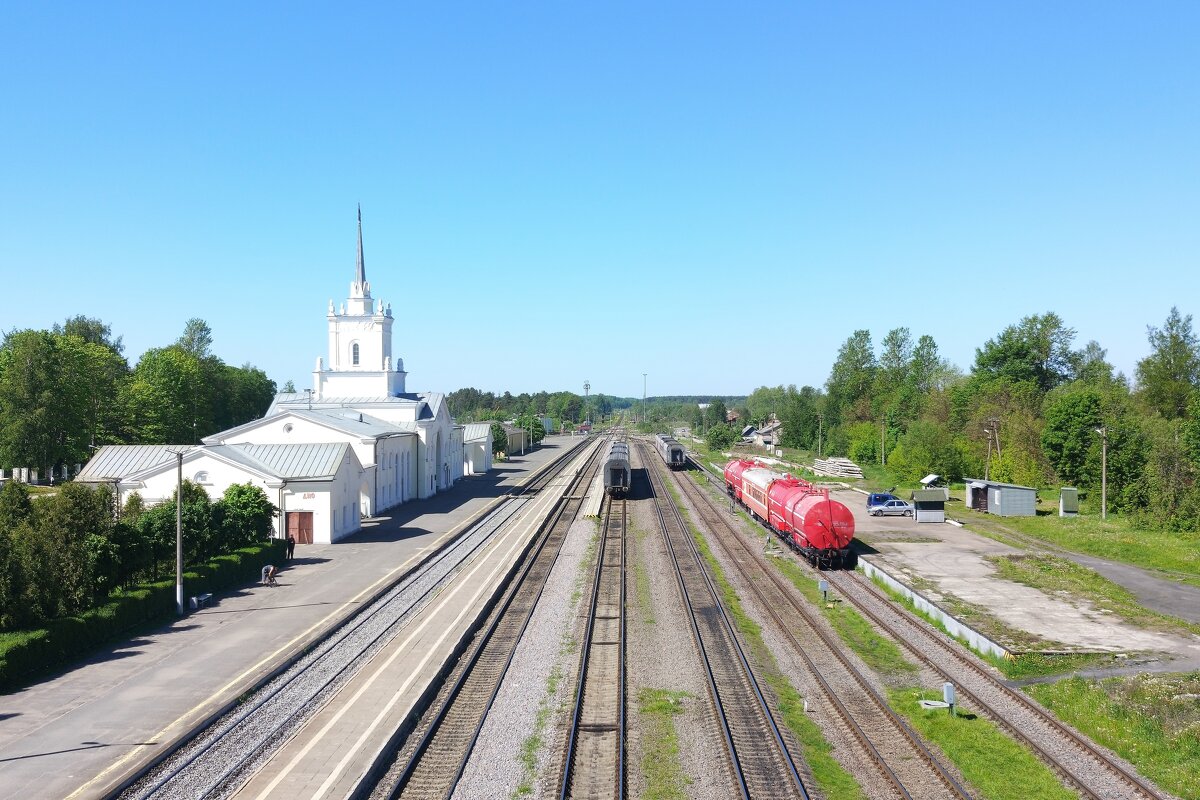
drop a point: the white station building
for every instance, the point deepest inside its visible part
(354, 446)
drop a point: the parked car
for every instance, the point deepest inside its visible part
(879, 498)
(892, 508)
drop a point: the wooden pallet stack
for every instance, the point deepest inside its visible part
(837, 467)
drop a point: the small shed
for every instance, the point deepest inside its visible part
(1001, 499)
(930, 505)
(1068, 502)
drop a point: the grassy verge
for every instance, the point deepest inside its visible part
(878, 652)
(1153, 721)
(1115, 539)
(660, 765)
(999, 767)
(532, 746)
(1052, 574)
(832, 779)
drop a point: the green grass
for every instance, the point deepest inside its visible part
(660, 765)
(1115, 539)
(996, 765)
(532, 746)
(1052, 574)
(878, 652)
(1153, 721)
(832, 779)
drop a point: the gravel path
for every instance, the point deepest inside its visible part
(662, 655)
(548, 655)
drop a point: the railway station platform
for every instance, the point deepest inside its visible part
(82, 732)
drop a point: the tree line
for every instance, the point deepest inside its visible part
(1034, 409)
(63, 554)
(68, 390)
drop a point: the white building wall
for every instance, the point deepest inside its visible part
(286, 428)
(213, 474)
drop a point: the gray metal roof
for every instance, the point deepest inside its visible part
(290, 461)
(119, 460)
(477, 431)
(982, 482)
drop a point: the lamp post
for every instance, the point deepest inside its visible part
(1103, 431)
(820, 431)
(643, 398)
(178, 531)
(587, 407)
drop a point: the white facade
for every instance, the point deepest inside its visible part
(355, 446)
(322, 479)
(388, 453)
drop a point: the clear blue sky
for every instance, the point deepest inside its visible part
(560, 192)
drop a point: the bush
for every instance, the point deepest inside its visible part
(25, 654)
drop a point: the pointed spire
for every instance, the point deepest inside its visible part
(360, 270)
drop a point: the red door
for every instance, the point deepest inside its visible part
(300, 526)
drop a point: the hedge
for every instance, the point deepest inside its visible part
(29, 654)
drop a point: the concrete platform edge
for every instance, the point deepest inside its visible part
(976, 639)
(119, 783)
(382, 759)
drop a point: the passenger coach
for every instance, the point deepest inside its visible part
(672, 452)
(616, 468)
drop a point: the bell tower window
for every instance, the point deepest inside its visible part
(354, 354)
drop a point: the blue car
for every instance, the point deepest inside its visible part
(879, 498)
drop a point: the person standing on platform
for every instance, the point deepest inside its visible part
(291, 546)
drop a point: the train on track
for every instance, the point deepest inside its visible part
(615, 468)
(672, 452)
(813, 524)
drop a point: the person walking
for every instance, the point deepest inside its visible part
(291, 546)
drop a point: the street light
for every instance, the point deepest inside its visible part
(179, 530)
(1103, 431)
(643, 398)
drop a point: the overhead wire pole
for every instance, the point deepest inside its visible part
(643, 398)
(1103, 431)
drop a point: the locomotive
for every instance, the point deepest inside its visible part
(672, 452)
(813, 524)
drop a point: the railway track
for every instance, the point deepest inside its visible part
(897, 753)
(1095, 774)
(218, 755)
(594, 763)
(432, 759)
(759, 760)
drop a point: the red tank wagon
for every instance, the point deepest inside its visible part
(813, 524)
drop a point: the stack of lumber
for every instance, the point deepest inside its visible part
(838, 467)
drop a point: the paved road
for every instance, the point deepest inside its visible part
(75, 733)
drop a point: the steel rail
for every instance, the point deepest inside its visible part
(662, 498)
(582, 478)
(786, 591)
(262, 698)
(1133, 781)
(569, 772)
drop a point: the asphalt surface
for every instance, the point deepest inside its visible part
(75, 733)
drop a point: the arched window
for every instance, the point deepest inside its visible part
(200, 477)
(354, 354)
